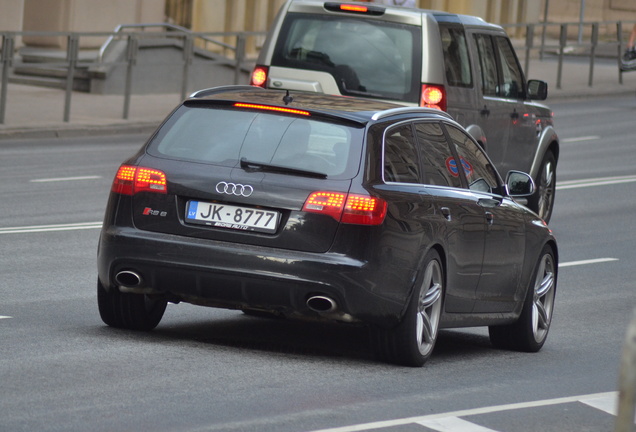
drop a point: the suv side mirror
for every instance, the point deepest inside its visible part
(537, 90)
(519, 184)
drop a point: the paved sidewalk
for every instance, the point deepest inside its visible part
(39, 112)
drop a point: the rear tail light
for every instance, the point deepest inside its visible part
(259, 76)
(130, 180)
(433, 96)
(347, 208)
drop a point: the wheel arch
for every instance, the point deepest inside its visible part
(548, 142)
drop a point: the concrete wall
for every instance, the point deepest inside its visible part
(84, 16)
(11, 15)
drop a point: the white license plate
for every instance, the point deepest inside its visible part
(232, 217)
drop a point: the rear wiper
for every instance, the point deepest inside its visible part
(260, 166)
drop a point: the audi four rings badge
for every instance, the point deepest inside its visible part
(234, 189)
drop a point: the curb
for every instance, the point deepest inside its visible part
(51, 132)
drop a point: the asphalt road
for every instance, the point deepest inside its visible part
(204, 369)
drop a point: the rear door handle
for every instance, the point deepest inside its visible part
(485, 112)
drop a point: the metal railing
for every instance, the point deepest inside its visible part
(204, 45)
(561, 42)
(541, 37)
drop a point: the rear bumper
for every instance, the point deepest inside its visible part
(227, 275)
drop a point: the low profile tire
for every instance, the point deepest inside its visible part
(530, 332)
(411, 342)
(129, 311)
(542, 201)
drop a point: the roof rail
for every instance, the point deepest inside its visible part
(222, 89)
(409, 110)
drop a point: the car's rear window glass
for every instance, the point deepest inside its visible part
(369, 58)
(223, 136)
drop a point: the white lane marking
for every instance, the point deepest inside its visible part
(469, 412)
(51, 228)
(4, 317)
(60, 179)
(601, 181)
(585, 262)
(605, 403)
(453, 424)
(578, 139)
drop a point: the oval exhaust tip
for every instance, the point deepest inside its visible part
(128, 278)
(321, 304)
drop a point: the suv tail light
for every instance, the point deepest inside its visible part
(130, 180)
(433, 96)
(259, 76)
(347, 208)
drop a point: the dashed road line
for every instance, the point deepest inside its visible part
(51, 228)
(579, 139)
(586, 262)
(443, 420)
(601, 181)
(453, 424)
(61, 179)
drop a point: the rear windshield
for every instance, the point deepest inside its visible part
(221, 136)
(369, 58)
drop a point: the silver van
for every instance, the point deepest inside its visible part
(457, 63)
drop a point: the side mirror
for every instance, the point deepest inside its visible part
(537, 90)
(519, 184)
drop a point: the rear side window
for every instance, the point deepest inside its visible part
(223, 136)
(438, 161)
(401, 159)
(371, 58)
(456, 58)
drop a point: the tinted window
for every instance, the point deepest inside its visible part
(479, 171)
(500, 71)
(401, 162)
(487, 65)
(438, 163)
(512, 78)
(456, 59)
(224, 136)
(366, 57)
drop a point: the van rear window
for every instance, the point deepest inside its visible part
(222, 136)
(366, 57)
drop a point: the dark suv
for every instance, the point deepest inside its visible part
(456, 63)
(305, 205)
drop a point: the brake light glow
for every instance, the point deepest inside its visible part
(271, 108)
(347, 208)
(354, 8)
(433, 96)
(130, 180)
(259, 76)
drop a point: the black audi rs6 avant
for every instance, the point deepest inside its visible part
(303, 205)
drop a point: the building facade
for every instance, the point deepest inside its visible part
(256, 15)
